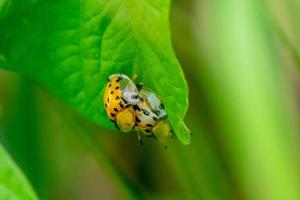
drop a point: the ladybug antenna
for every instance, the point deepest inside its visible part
(134, 77)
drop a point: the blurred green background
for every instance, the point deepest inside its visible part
(241, 62)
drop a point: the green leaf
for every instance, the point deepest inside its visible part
(72, 46)
(13, 184)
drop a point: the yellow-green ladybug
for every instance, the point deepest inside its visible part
(120, 95)
(151, 117)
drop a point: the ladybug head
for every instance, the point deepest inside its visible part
(125, 120)
(162, 131)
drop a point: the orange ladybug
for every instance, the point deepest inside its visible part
(120, 95)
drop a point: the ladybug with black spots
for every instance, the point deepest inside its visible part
(120, 95)
(151, 117)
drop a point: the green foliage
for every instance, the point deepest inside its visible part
(245, 144)
(72, 46)
(21, 132)
(13, 184)
(249, 101)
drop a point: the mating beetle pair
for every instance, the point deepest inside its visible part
(132, 106)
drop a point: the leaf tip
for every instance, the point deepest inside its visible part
(183, 134)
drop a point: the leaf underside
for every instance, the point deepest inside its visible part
(72, 46)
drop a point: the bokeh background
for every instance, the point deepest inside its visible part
(241, 61)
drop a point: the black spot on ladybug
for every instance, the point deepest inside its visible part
(120, 78)
(109, 85)
(117, 97)
(116, 110)
(148, 131)
(137, 120)
(112, 114)
(157, 112)
(112, 92)
(134, 96)
(149, 125)
(105, 105)
(107, 100)
(123, 99)
(146, 112)
(154, 118)
(121, 105)
(117, 88)
(136, 107)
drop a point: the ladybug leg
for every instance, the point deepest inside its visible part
(117, 126)
(140, 138)
(153, 136)
(172, 134)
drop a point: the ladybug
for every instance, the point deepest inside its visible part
(151, 116)
(120, 95)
